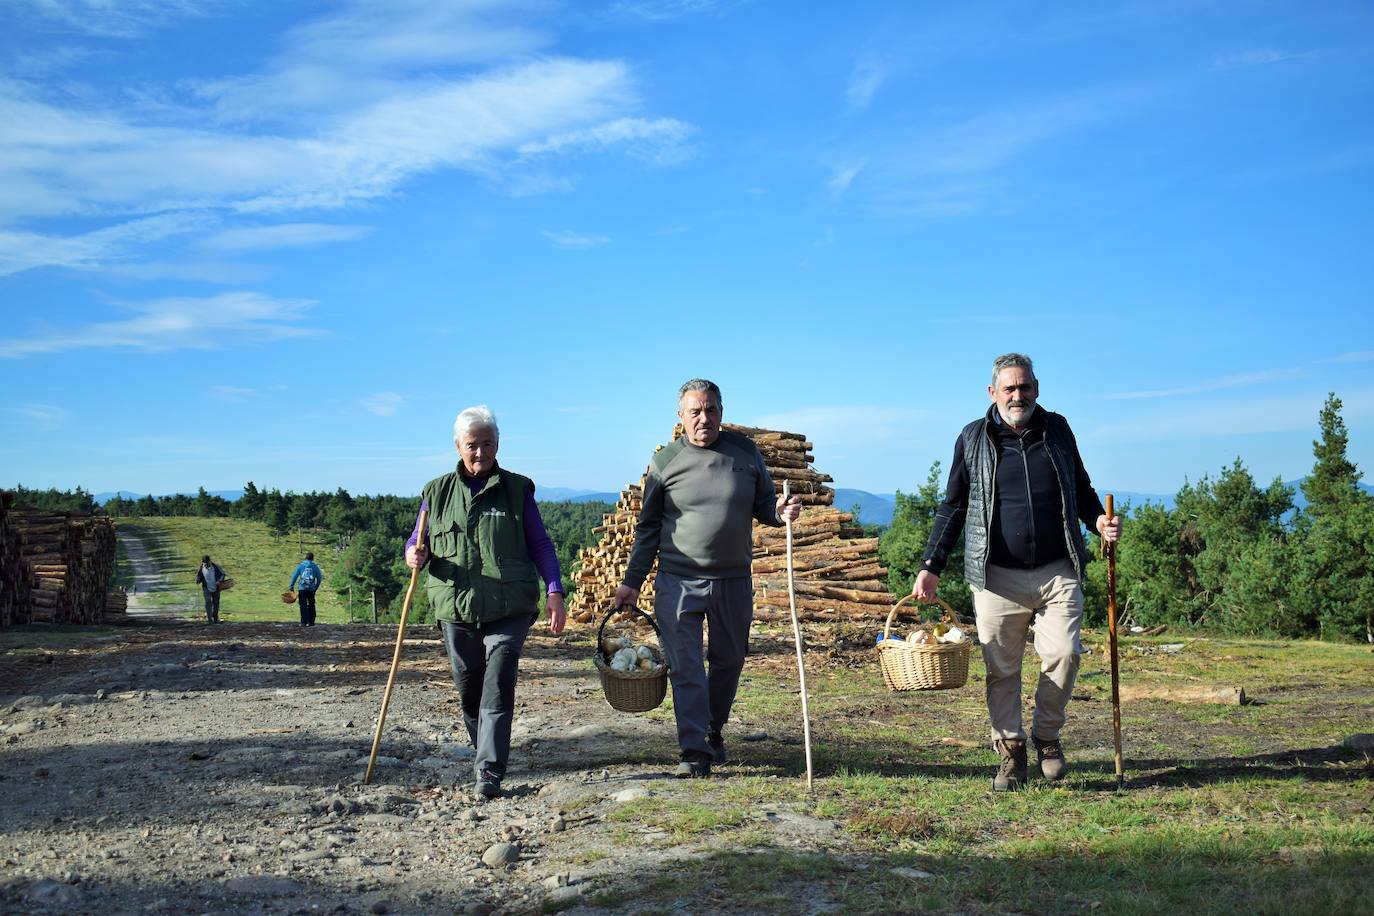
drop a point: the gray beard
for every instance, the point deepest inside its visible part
(1007, 420)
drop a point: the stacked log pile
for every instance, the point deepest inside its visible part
(837, 572)
(69, 559)
(15, 580)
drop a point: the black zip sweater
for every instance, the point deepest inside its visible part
(1028, 510)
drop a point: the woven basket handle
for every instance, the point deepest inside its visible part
(892, 614)
(601, 630)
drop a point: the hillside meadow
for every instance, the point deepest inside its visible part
(259, 562)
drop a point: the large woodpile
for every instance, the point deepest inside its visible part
(15, 579)
(837, 572)
(67, 559)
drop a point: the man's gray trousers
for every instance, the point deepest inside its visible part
(701, 701)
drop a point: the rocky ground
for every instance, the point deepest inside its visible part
(174, 767)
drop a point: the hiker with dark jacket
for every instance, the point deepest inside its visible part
(209, 577)
(310, 578)
(1018, 491)
(487, 549)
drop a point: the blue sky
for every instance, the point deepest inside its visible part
(288, 242)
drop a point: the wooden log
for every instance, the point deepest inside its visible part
(1184, 693)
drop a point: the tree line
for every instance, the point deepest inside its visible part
(1230, 555)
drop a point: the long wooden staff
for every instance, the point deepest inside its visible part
(796, 633)
(1109, 547)
(396, 656)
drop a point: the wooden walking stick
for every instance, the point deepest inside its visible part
(396, 656)
(796, 633)
(1109, 548)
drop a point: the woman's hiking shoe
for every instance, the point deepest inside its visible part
(488, 785)
(1051, 756)
(717, 743)
(1011, 772)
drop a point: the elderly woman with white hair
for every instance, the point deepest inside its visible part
(487, 549)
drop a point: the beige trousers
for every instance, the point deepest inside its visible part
(1004, 608)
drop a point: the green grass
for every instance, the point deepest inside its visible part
(259, 562)
(1254, 808)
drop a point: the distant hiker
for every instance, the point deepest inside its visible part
(310, 577)
(209, 577)
(487, 549)
(1017, 490)
(700, 500)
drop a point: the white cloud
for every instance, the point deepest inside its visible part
(1258, 57)
(232, 394)
(1216, 384)
(115, 18)
(658, 10)
(21, 251)
(284, 235)
(574, 239)
(1356, 356)
(864, 79)
(658, 133)
(175, 324)
(852, 424)
(45, 417)
(1285, 413)
(843, 178)
(383, 403)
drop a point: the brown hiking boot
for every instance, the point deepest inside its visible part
(1051, 756)
(1011, 772)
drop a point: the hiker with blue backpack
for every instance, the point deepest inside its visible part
(309, 577)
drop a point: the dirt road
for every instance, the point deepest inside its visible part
(179, 768)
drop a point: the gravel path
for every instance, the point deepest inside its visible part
(176, 768)
(147, 579)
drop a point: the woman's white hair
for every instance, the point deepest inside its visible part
(469, 417)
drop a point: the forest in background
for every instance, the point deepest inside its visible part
(1230, 555)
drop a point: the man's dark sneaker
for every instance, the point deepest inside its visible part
(1011, 772)
(693, 768)
(1051, 755)
(717, 743)
(488, 785)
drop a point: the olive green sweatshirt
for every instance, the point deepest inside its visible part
(699, 507)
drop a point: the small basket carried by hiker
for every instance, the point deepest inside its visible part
(638, 689)
(926, 664)
(224, 585)
(288, 597)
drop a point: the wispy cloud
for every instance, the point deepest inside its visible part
(284, 235)
(232, 394)
(1216, 384)
(21, 251)
(657, 134)
(45, 417)
(176, 324)
(118, 19)
(383, 403)
(575, 239)
(658, 10)
(1355, 356)
(355, 104)
(843, 178)
(864, 79)
(1258, 57)
(1282, 413)
(858, 423)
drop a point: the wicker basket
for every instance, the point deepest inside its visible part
(941, 666)
(631, 691)
(224, 585)
(288, 597)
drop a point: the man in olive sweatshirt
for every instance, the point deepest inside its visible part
(702, 494)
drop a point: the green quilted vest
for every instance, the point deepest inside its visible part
(479, 569)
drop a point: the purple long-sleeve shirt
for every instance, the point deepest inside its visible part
(537, 540)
